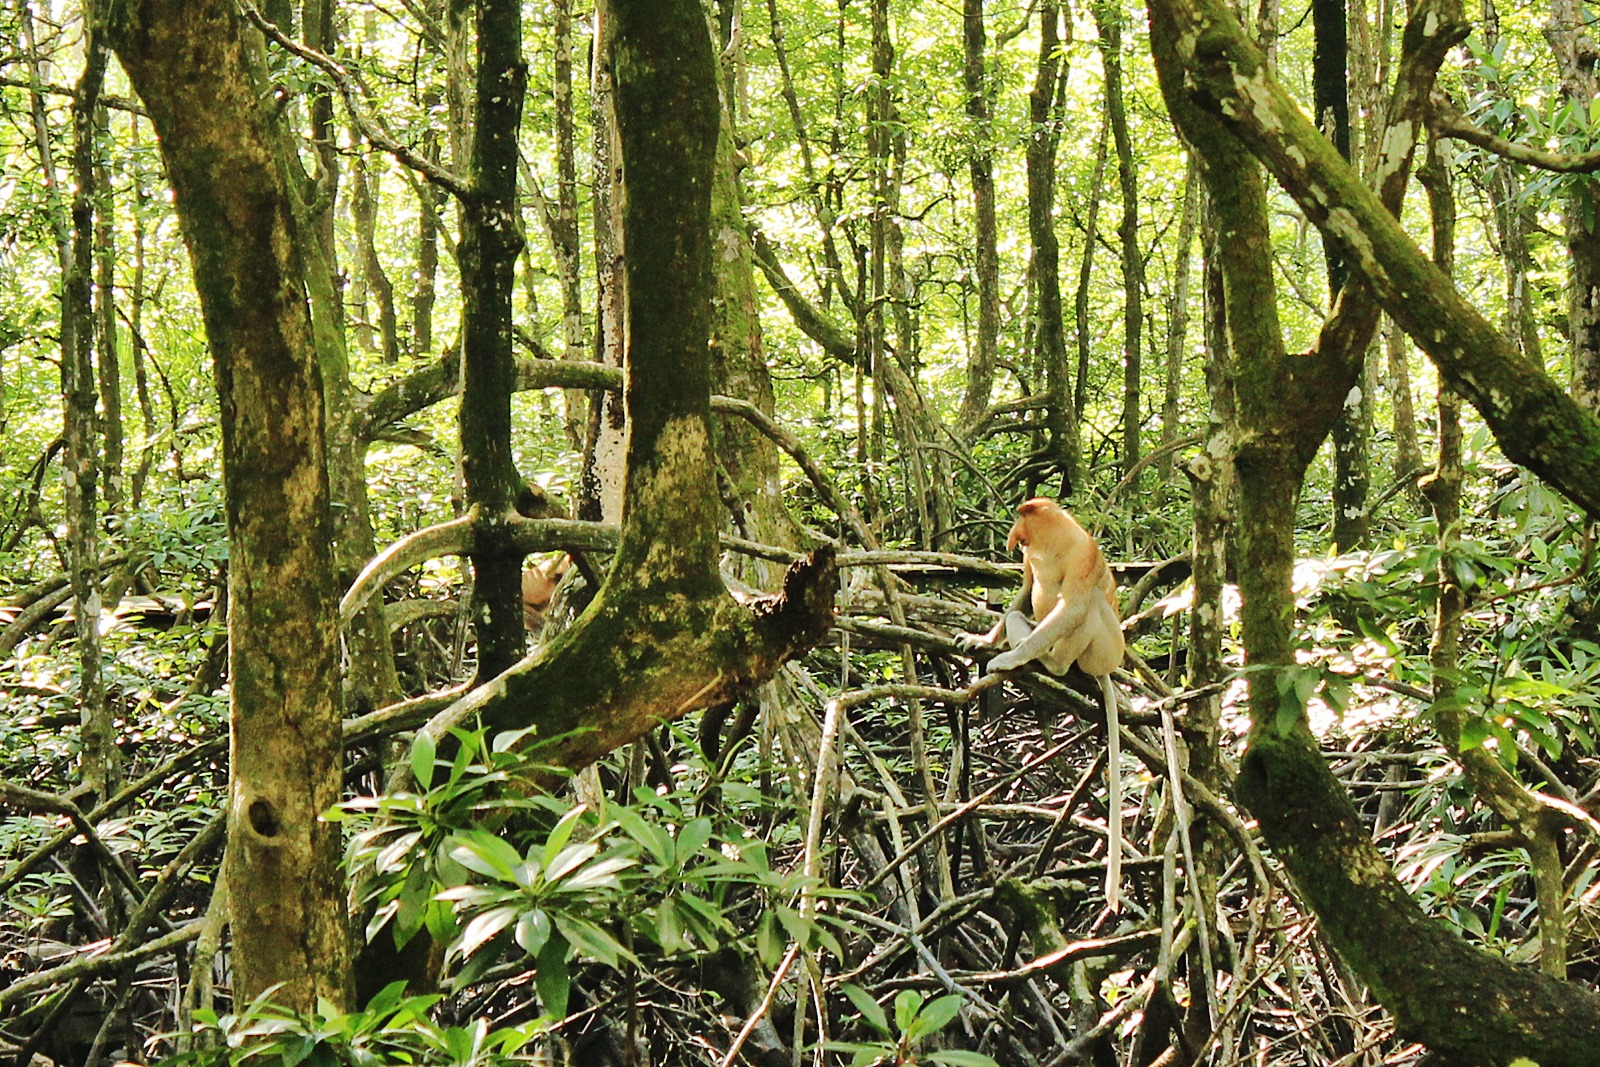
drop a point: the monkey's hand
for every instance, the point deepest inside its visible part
(1008, 661)
(977, 642)
(1019, 637)
(1007, 633)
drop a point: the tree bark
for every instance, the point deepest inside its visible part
(601, 487)
(430, 200)
(1535, 422)
(1084, 329)
(80, 339)
(1407, 452)
(1571, 36)
(491, 239)
(980, 168)
(195, 65)
(749, 459)
(1178, 321)
(1049, 326)
(1108, 18)
(1352, 431)
(1461, 1002)
(375, 280)
(564, 222)
(108, 368)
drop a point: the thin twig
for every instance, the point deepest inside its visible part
(351, 90)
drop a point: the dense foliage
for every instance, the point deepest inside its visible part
(879, 856)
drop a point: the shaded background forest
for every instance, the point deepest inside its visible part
(960, 258)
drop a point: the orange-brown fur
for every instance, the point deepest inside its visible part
(1071, 596)
(539, 587)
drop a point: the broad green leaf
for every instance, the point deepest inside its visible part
(1466, 573)
(669, 932)
(907, 1003)
(559, 836)
(864, 1055)
(483, 927)
(484, 853)
(552, 979)
(294, 1053)
(600, 874)
(389, 857)
(935, 1016)
(655, 839)
(869, 1008)
(794, 924)
(710, 915)
(1474, 732)
(479, 963)
(568, 860)
(692, 838)
(961, 1058)
(386, 999)
(413, 900)
(423, 750)
(473, 896)
(589, 940)
(825, 938)
(533, 930)
(769, 943)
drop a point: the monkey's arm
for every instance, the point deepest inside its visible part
(1067, 617)
(1005, 632)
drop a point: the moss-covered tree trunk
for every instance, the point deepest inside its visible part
(1178, 324)
(82, 343)
(980, 169)
(491, 238)
(194, 63)
(1049, 326)
(1571, 33)
(663, 637)
(1108, 20)
(748, 458)
(370, 679)
(1470, 1006)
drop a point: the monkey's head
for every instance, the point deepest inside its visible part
(1034, 515)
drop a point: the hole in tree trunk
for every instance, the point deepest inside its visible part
(264, 818)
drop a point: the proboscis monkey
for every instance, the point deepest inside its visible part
(1072, 598)
(539, 587)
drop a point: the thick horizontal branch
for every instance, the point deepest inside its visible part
(93, 966)
(441, 379)
(645, 663)
(454, 538)
(110, 100)
(1447, 119)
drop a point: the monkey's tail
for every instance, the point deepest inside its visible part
(1114, 796)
